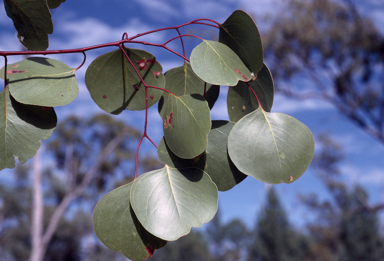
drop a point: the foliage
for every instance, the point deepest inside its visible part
(162, 204)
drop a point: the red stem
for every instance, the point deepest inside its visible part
(258, 101)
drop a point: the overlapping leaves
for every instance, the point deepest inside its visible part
(241, 99)
(117, 227)
(22, 127)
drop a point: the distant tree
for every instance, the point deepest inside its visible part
(192, 247)
(346, 228)
(274, 238)
(228, 242)
(331, 52)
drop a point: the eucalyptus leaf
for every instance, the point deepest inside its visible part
(186, 124)
(54, 3)
(169, 202)
(116, 225)
(41, 81)
(21, 129)
(115, 86)
(271, 147)
(182, 80)
(216, 63)
(241, 100)
(32, 20)
(240, 33)
(218, 164)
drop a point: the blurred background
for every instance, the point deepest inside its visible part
(327, 60)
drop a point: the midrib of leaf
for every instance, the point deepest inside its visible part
(173, 193)
(220, 58)
(190, 113)
(273, 135)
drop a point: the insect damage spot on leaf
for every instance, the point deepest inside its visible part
(14, 71)
(142, 65)
(150, 61)
(290, 178)
(15, 65)
(156, 74)
(168, 120)
(150, 251)
(242, 75)
(151, 97)
(104, 96)
(136, 86)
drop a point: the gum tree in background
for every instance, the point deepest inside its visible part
(200, 156)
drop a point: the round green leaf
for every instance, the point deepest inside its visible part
(32, 20)
(169, 202)
(271, 147)
(21, 129)
(218, 164)
(240, 33)
(186, 124)
(216, 63)
(116, 225)
(115, 86)
(241, 100)
(182, 80)
(168, 157)
(41, 81)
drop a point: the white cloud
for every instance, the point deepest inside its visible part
(368, 176)
(287, 105)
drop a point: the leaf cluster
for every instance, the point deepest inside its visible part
(200, 156)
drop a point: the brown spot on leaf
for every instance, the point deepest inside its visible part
(136, 86)
(104, 96)
(14, 71)
(168, 120)
(156, 74)
(243, 108)
(239, 72)
(290, 178)
(151, 96)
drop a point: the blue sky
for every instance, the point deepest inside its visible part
(89, 22)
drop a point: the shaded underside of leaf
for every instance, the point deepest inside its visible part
(169, 158)
(115, 86)
(186, 124)
(169, 202)
(41, 81)
(116, 225)
(22, 127)
(32, 20)
(217, 64)
(240, 33)
(271, 147)
(241, 100)
(182, 80)
(218, 164)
